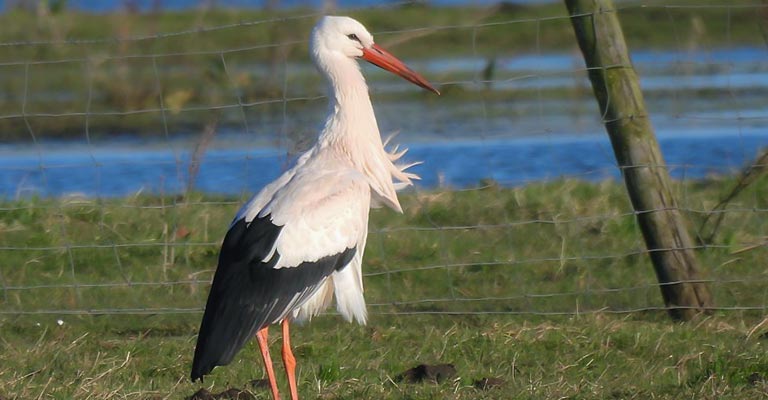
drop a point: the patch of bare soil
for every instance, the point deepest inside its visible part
(229, 394)
(430, 373)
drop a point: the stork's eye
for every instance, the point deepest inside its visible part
(354, 37)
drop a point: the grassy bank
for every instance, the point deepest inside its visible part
(70, 74)
(506, 28)
(545, 287)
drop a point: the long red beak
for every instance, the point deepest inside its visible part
(385, 60)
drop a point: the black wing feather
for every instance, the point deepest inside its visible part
(248, 294)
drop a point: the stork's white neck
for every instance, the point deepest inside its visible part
(351, 130)
(351, 114)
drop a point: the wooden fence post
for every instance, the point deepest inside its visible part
(617, 90)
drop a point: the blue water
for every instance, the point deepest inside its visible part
(120, 171)
(510, 141)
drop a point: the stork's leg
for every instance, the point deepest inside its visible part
(261, 337)
(290, 361)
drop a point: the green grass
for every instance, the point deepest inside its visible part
(533, 285)
(577, 357)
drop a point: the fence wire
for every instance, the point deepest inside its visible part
(125, 156)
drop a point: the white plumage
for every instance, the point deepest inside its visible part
(299, 242)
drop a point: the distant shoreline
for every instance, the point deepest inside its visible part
(82, 75)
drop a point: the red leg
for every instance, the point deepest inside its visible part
(290, 361)
(261, 337)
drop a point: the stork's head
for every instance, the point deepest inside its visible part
(338, 38)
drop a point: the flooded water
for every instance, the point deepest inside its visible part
(146, 5)
(710, 111)
(122, 170)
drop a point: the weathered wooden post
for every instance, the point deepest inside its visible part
(617, 90)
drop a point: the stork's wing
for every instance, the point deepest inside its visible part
(272, 264)
(257, 202)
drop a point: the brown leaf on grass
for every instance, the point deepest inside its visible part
(182, 232)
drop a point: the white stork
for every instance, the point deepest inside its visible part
(299, 242)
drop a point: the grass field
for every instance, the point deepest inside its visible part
(544, 287)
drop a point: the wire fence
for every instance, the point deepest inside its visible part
(128, 149)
